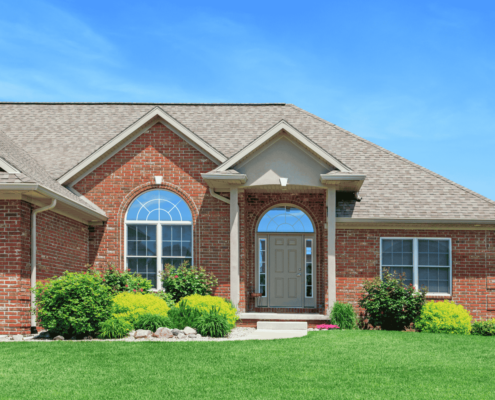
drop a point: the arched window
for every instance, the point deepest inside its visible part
(285, 219)
(158, 232)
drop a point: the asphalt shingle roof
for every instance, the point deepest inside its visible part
(59, 136)
(30, 171)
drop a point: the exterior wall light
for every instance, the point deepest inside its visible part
(158, 180)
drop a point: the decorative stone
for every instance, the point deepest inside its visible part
(17, 338)
(175, 332)
(198, 336)
(44, 335)
(181, 336)
(88, 338)
(192, 336)
(28, 337)
(132, 333)
(163, 333)
(59, 337)
(142, 333)
(188, 330)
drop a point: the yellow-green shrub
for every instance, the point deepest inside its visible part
(131, 305)
(444, 317)
(205, 303)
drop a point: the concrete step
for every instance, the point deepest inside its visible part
(282, 326)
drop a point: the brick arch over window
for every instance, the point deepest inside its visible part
(252, 207)
(135, 193)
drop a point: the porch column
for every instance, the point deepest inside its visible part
(234, 247)
(331, 219)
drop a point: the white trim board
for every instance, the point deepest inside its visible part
(178, 128)
(7, 167)
(282, 125)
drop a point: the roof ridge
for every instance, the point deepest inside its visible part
(434, 174)
(131, 103)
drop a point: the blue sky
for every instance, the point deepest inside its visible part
(414, 77)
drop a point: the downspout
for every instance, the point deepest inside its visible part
(217, 196)
(33, 260)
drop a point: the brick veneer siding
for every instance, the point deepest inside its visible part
(473, 263)
(252, 207)
(116, 183)
(62, 245)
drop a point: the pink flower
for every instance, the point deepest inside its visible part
(104, 280)
(134, 290)
(326, 327)
(126, 285)
(141, 289)
(176, 276)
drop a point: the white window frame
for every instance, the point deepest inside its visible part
(416, 266)
(264, 239)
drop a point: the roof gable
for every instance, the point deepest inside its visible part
(282, 126)
(109, 149)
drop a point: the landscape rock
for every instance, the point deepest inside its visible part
(163, 333)
(181, 336)
(188, 330)
(17, 338)
(132, 333)
(175, 332)
(191, 336)
(59, 337)
(142, 333)
(44, 335)
(28, 337)
(198, 336)
(87, 338)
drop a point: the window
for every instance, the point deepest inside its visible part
(309, 267)
(285, 219)
(426, 262)
(158, 232)
(262, 266)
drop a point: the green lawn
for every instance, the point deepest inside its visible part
(323, 365)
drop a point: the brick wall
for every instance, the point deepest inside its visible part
(116, 183)
(473, 264)
(62, 245)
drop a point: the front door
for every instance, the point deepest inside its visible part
(286, 271)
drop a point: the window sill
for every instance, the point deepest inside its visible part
(438, 297)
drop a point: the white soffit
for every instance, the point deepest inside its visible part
(7, 167)
(269, 134)
(176, 126)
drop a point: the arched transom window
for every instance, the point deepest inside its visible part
(158, 232)
(285, 219)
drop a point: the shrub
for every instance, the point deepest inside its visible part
(151, 322)
(185, 280)
(164, 296)
(444, 317)
(131, 305)
(212, 323)
(182, 315)
(125, 281)
(484, 328)
(205, 303)
(115, 328)
(73, 304)
(343, 315)
(389, 303)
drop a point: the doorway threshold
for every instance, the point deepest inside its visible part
(283, 316)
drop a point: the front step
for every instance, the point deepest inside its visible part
(282, 326)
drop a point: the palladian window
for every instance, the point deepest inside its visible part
(158, 232)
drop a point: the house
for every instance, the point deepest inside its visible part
(289, 211)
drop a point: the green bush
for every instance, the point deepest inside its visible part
(212, 323)
(205, 303)
(125, 281)
(444, 317)
(164, 296)
(390, 304)
(343, 315)
(184, 281)
(484, 328)
(182, 315)
(151, 322)
(115, 328)
(131, 305)
(73, 304)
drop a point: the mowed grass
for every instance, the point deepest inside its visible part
(323, 365)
